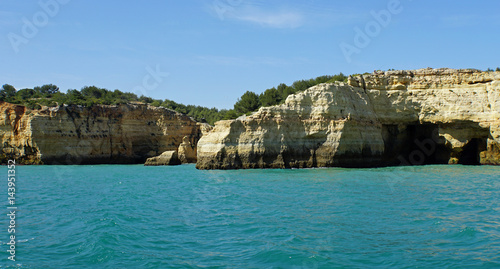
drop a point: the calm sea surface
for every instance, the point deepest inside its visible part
(131, 216)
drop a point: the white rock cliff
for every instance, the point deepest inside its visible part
(425, 116)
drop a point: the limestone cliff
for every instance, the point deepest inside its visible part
(425, 116)
(166, 158)
(187, 152)
(100, 134)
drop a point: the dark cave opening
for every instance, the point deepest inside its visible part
(470, 152)
(414, 144)
(420, 144)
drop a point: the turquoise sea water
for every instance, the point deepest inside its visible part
(133, 216)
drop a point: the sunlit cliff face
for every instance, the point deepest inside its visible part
(101, 134)
(426, 116)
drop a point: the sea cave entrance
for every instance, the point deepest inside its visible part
(420, 144)
(470, 152)
(414, 144)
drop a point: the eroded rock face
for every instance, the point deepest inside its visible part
(426, 116)
(16, 135)
(101, 134)
(166, 158)
(187, 152)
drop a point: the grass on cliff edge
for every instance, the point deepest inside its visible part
(50, 95)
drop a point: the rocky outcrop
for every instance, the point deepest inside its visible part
(166, 158)
(16, 135)
(187, 152)
(101, 134)
(425, 116)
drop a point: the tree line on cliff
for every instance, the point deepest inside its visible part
(50, 95)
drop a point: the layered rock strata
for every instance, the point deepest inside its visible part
(98, 135)
(425, 116)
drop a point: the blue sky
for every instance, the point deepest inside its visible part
(207, 52)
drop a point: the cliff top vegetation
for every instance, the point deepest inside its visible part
(51, 96)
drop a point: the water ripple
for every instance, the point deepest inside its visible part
(163, 217)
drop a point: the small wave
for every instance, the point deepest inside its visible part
(24, 240)
(17, 241)
(466, 232)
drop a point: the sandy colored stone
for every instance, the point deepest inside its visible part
(205, 127)
(385, 118)
(100, 134)
(166, 158)
(187, 152)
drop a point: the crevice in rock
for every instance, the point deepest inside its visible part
(74, 116)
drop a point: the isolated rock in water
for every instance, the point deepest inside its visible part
(166, 158)
(425, 116)
(187, 153)
(123, 134)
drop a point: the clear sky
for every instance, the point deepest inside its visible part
(207, 52)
